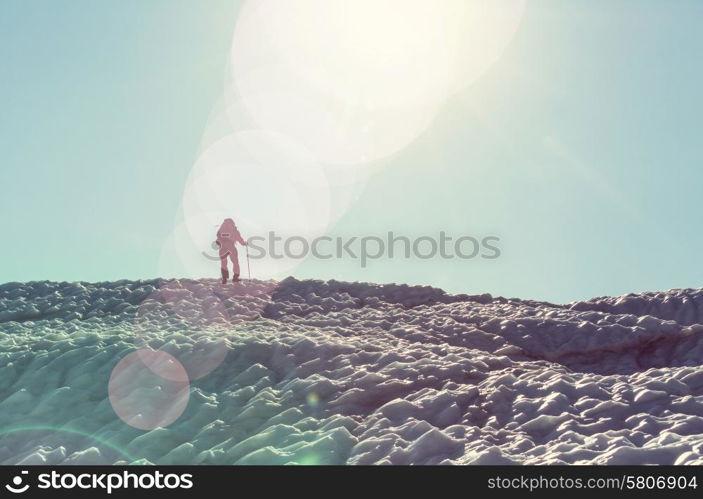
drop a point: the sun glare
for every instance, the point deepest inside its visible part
(357, 81)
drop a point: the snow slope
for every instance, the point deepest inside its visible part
(318, 372)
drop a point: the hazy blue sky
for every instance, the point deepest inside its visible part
(581, 148)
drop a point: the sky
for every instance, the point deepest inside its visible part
(579, 148)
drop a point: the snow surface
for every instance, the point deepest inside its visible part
(315, 372)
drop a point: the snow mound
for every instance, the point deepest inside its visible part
(684, 306)
(314, 372)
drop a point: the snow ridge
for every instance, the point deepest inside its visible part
(315, 372)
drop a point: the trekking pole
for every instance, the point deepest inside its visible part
(248, 268)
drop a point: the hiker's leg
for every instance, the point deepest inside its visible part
(223, 269)
(235, 265)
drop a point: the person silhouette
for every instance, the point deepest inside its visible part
(227, 236)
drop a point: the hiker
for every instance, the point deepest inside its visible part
(227, 236)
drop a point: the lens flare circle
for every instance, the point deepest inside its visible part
(268, 184)
(149, 389)
(187, 319)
